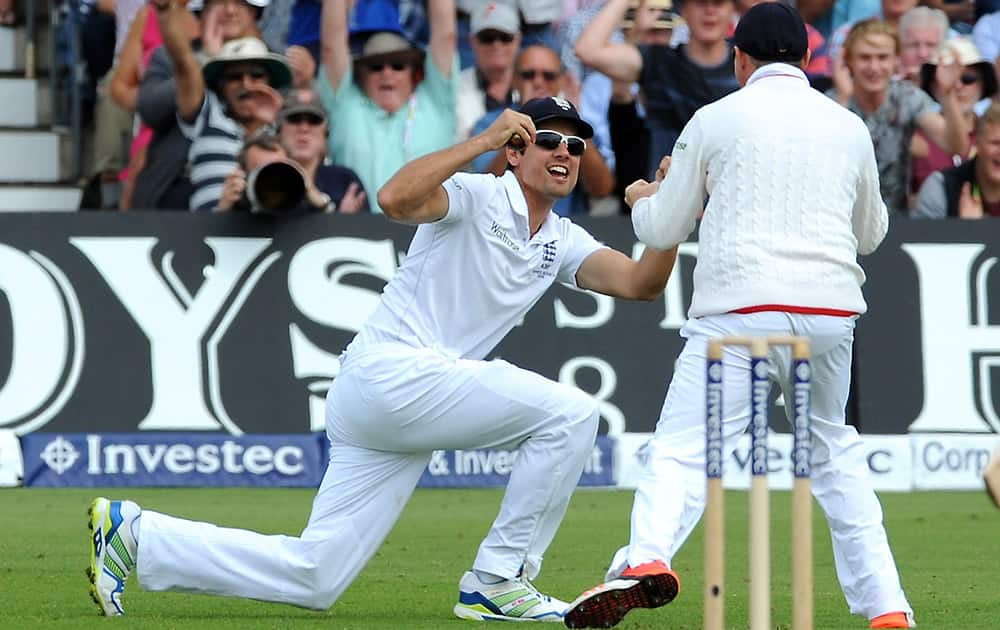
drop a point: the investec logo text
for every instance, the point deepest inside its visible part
(128, 459)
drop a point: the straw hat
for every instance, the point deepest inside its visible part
(968, 56)
(248, 50)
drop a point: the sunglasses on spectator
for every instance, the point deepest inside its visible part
(968, 78)
(257, 74)
(304, 117)
(489, 37)
(548, 75)
(379, 66)
(550, 141)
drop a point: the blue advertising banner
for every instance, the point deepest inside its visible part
(491, 467)
(170, 459)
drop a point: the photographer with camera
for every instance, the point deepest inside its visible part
(267, 180)
(218, 106)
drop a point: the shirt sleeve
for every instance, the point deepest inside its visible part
(193, 129)
(870, 218)
(669, 215)
(467, 193)
(932, 202)
(579, 244)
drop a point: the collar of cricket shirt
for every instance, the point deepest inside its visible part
(520, 206)
(777, 70)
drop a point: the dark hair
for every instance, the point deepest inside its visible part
(266, 140)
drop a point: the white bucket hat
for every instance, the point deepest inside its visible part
(244, 50)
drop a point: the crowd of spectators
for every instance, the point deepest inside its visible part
(201, 92)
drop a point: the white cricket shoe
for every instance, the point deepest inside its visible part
(112, 552)
(510, 600)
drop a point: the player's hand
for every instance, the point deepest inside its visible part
(232, 189)
(639, 189)
(513, 127)
(970, 206)
(661, 170)
(302, 64)
(353, 200)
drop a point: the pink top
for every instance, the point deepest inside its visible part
(151, 40)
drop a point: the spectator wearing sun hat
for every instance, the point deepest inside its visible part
(241, 97)
(389, 102)
(234, 95)
(164, 182)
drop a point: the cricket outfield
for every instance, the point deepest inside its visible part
(946, 545)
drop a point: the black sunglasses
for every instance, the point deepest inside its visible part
(550, 141)
(969, 78)
(548, 75)
(489, 37)
(237, 75)
(305, 117)
(379, 66)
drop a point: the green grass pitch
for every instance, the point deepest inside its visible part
(947, 546)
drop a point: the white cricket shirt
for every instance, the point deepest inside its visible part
(470, 277)
(793, 198)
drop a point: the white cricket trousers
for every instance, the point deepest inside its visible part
(388, 409)
(670, 496)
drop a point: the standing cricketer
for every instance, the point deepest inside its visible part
(414, 380)
(793, 198)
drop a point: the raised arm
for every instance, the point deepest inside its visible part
(125, 79)
(415, 195)
(335, 53)
(596, 50)
(948, 129)
(444, 34)
(187, 70)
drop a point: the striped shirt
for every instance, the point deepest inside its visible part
(216, 140)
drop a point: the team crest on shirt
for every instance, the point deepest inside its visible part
(548, 258)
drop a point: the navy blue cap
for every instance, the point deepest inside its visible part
(772, 31)
(555, 108)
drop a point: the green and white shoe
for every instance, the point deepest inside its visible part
(112, 552)
(509, 600)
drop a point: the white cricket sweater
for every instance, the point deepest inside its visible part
(793, 198)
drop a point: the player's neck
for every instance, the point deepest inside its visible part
(539, 208)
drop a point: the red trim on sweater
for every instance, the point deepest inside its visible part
(802, 310)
